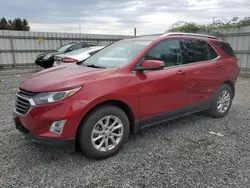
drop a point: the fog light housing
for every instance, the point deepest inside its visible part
(57, 126)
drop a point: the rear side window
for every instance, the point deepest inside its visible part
(76, 47)
(194, 51)
(226, 48)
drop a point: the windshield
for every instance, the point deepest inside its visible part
(83, 50)
(117, 54)
(63, 48)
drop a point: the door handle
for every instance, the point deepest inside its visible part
(180, 72)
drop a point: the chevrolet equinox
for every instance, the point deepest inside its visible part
(137, 82)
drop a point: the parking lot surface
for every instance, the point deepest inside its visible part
(193, 151)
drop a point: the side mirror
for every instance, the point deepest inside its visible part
(151, 65)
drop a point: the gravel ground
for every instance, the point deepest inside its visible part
(180, 153)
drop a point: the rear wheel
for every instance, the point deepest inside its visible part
(104, 132)
(222, 102)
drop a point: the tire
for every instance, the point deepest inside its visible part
(214, 110)
(95, 121)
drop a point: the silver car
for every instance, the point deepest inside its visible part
(76, 55)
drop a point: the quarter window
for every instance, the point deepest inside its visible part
(194, 51)
(167, 51)
(226, 48)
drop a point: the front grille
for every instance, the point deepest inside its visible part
(23, 105)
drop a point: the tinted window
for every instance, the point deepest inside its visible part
(194, 51)
(226, 48)
(212, 53)
(92, 53)
(63, 48)
(88, 45)
(167, 51)
(75, 47)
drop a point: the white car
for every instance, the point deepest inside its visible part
(76, 55)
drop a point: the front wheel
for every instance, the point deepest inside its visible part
(104, 132)
(222, 102)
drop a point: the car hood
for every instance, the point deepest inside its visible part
(79, 57)
(63, 78)
(52, 53)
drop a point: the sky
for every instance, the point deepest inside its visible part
(119, 16)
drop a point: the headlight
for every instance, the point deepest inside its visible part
(50, 97)
(47, 56)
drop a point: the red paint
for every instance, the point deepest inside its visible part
(146, 94)
(152, 63)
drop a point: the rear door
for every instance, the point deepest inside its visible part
(163, 91)
(202, 68)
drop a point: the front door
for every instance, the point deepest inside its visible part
(162, 91)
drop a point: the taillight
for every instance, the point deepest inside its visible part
(68, 60)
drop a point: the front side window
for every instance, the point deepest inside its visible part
(117, 54)
(194, 51)
(167, 51)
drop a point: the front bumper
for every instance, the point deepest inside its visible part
(45, 63)
(37, 122)
(68, 145)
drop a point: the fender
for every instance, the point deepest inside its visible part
(132, 103)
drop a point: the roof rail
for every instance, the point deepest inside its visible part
(189, 34)
(149, 35)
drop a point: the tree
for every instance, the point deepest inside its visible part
(244, 22)
(3, 24)
(191, 27)
(26, 26)
(10, 25)
(183, 26)
(16, 24)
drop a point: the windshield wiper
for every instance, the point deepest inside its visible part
(96, 66)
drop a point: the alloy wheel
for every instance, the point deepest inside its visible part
(107, 133)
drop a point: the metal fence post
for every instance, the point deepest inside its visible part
(60, 41)
(12, 50)
(1, 60)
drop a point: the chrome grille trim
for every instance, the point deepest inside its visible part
(23, 105)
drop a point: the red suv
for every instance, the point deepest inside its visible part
(131, 84)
